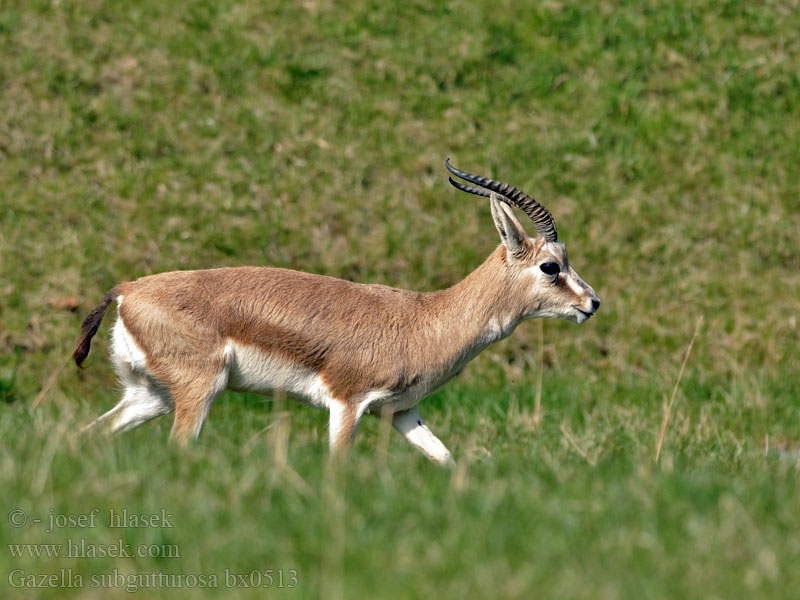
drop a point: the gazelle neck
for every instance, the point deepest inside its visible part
(474, 313)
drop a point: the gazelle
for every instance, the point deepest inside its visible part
(354, 349)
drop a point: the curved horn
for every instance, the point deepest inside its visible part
(541, 217)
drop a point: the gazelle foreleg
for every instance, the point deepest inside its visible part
(411, 426)
(342, 426)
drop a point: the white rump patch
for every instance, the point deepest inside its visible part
(124, 348)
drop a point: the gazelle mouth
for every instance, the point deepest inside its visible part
(583, 312)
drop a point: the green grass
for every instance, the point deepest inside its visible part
(664, 137)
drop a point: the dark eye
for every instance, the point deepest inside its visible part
(550, 268)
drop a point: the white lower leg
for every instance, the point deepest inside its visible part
(105, 418)
(139, 404)
(411, 426)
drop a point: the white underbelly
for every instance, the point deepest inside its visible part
(253, 370)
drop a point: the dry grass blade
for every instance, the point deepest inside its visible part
(574, 443)
(47, 454)
(668, 406)
(334, 501)
(49, 384)
(384, 430)
(280, 433)
(537, 409)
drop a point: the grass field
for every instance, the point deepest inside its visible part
(139, 137)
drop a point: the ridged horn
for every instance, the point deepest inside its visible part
(541, 217)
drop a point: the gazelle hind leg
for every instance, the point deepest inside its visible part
(194, 397)
(410, 425)
(145, 402)
(140, 403)
(106, 419)
(143, 399)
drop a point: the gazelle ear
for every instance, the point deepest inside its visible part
(510, 229)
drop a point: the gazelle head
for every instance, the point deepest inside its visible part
(537, 268)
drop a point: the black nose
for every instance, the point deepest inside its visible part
(595, 303)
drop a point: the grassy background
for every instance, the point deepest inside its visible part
(664, 136)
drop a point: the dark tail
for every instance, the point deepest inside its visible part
(89, 328)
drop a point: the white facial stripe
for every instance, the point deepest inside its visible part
(573, 285)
